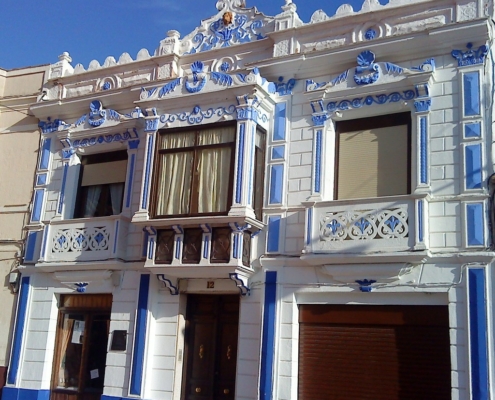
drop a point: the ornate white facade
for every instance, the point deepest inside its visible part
(326, 166)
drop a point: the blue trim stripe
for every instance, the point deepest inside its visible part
(278, 152)
(10, 393)
(472, 100)
(31, 245)
(279, 123)
(20, 323)
(309, 228)
(206, 247)
(472, 130)
(140, 337)
(38, 205)
(130, 181)
(276, 184)
(62, 189)
(318, 161)
(240, 164)
(144, 204)
(477, 332)
(473, 166)
(475, 224)
(420, 221)
(273, 233)
(115, 239)
(268, 345)
(45, 154)
(423, 150)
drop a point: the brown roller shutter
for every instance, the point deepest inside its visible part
(374, 352)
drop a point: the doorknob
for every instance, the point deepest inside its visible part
(201, 351)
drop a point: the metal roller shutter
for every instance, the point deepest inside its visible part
(374, 352)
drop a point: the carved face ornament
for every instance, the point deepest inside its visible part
(227, 18)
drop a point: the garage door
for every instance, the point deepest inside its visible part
(374, 352)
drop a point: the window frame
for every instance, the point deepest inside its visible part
(373, 122)
(98, 158)
(193, 202)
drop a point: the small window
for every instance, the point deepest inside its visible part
(373, 157)
(194, 172)
(259, 173)
(101, 187)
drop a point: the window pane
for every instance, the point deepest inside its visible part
(174, 185)
(70, 342)
(176, 140)
(373, 163)
(216, 136)
(213, 185)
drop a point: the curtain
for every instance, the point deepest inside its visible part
(116, 194)
(92, 200)
(65, 336)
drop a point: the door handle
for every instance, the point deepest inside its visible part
(229, 351)
(201, 351)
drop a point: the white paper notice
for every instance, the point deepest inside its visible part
(94, 373)
(77, 332)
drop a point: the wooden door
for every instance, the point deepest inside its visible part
(81, 349)
(211, 347)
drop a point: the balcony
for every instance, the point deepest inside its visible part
(389, 229)
(86, 239)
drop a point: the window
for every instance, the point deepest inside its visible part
(373, 157)
(194, 172)
(101, 187)
(259, 173)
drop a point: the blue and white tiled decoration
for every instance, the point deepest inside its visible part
(470, 56)
(224, 33)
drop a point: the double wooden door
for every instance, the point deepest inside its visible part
(211, 347)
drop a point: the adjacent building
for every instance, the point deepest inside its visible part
(267, 209)
(19, 143)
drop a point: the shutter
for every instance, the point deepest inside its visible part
(104, 173)
(374, 352)
(373, 163)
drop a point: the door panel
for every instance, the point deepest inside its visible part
(211, 347)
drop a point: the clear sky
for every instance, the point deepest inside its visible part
(36, 32)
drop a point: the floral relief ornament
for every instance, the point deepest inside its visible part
(367, 71)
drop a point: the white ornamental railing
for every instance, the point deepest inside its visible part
(386, 224)
(86, 239)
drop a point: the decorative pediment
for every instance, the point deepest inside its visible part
(368, 72)
(96, 117)
(233, 24)
(200, 79)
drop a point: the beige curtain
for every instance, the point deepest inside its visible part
(65, 336)
(176, 172)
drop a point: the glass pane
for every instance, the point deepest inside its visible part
(216, 136)
(71, 342)
(213, 186)
(97, 354)
(176, 140)
(174, 185)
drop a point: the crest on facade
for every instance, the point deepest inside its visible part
(368, 72)
(470, 56)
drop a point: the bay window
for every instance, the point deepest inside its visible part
(194, 172)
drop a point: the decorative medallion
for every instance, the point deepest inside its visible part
(367, 71)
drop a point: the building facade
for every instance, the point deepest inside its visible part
(19, 141)
(267, 209)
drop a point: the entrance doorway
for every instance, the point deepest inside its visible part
(212, 325)
(81, 347)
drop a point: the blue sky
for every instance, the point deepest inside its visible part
(36, 32)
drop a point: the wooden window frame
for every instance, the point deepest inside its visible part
(193, 200)
(381, 121)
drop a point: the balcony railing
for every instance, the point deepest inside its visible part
(363, 226)
(86, 239)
